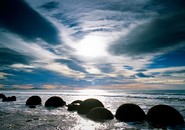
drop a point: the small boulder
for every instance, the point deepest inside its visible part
(55, 102)
(77, 102)
(2, 95)
(164, 115)
(7, 99)
(72, 107)
(34, 100)
(130, 113)
(100, 114)
(87, 105)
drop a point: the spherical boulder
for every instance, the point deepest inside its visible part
(55, 102)
(164, 115)
(130, 113)
(100, 114)
(87, 105)
(2, 95)
(34, 100)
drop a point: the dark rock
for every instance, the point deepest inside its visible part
(76, 102)
(164, 115)
(34, 100)
(55, 102)
(87, 105)
(2, 95)
(100, 114)
(130, 113)
(7, 99)
(32, 106)
(72, 107)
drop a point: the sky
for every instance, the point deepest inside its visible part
(107, 44)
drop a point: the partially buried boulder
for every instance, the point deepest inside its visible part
(7, 99)
(130, 113)
(2, 95)
(164, 115)
(100, 114)
(34, 100)
(87, 105)
(55, 102)
(74, 105)
(76, 102)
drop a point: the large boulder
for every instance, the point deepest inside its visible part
(130, 113)
(55, 102)
(2, 95)
(100, 114)
(34, 100)
(164, 115)
(7, 99)
(87, 105)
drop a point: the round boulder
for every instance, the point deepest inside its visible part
(34, 100)
(72, 107)
(76, 102)
(87, 105)
(130, 113)
(55, 102)
(100, 114)
(164, 115)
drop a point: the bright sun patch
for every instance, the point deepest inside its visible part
(91, 47)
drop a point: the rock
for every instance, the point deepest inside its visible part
(164, 115)
(2, 95)
(72, 107)
(100, 114)
(87, 105)
(55, 102)
(7, 99)
(130, 113)
(34, 100)
(76, 102)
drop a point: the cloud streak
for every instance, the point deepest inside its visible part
(18, 17)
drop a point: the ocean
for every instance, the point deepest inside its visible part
(17, 116)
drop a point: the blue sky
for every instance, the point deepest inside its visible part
(109, 44)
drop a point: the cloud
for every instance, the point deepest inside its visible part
(9, 57)
(142, 75)
(3, 75)
(18, 17)
(161, 34)
(50, 5)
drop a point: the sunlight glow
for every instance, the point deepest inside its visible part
(91, 47)
(93, 92)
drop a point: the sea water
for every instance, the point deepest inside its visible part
(17, 116)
